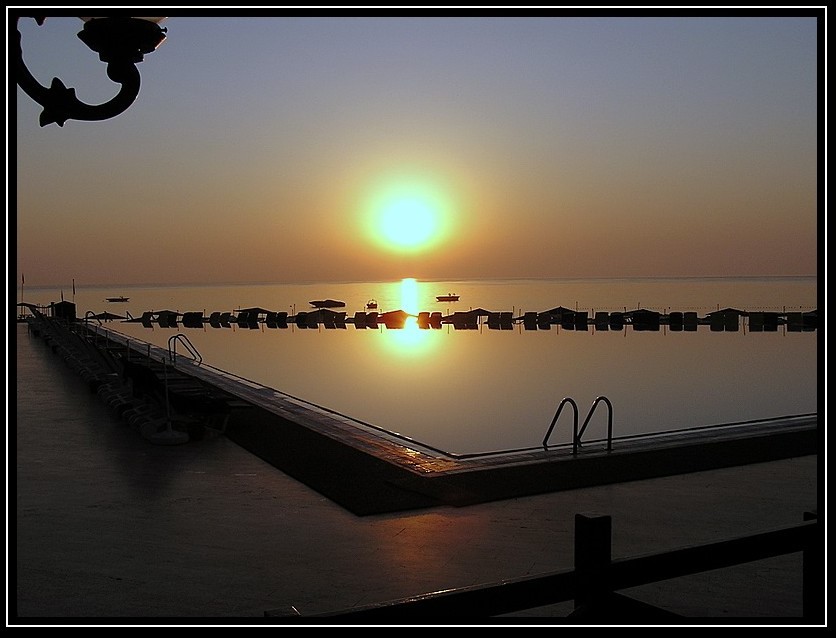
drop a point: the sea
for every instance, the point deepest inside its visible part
(486, 390)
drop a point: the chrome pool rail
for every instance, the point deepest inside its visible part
(577, 434)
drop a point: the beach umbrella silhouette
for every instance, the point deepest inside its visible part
(107, 316)
(394, 319)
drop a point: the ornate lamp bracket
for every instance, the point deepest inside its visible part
(121, 43)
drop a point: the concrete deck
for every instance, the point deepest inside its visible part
(109, 526)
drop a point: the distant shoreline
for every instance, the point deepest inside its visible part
(709, 278)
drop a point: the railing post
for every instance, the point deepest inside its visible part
(593, 555)
(813, 573)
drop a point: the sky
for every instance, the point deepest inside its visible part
(307, 147)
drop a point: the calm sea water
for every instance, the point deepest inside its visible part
(466, 391)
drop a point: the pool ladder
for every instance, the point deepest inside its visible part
(172, 348)
(577, 434)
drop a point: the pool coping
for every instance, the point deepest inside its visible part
(369, 471)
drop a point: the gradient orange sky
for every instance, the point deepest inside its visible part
(552, 146)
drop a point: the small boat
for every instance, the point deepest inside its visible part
(371, 304)
(328, 303)
(447, 297)
(119, 299)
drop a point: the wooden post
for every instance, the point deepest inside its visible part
(593, 555)
(813, 574)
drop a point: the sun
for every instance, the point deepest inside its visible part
(408, 215)
(408, 221)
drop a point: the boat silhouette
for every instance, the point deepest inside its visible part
(327, 303)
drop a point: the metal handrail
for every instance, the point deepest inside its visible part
(554, 420)
(172, 348)
(609, 420)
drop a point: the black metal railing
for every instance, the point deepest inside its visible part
(595, 581)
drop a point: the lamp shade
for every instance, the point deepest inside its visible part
(122, 39)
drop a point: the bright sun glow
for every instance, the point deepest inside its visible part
(408, 216)
(408, 221)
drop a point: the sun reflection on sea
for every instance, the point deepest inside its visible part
(410, 340)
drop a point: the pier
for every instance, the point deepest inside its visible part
(640, 319)
(721, 320)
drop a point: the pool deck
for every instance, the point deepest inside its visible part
(110, 526)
